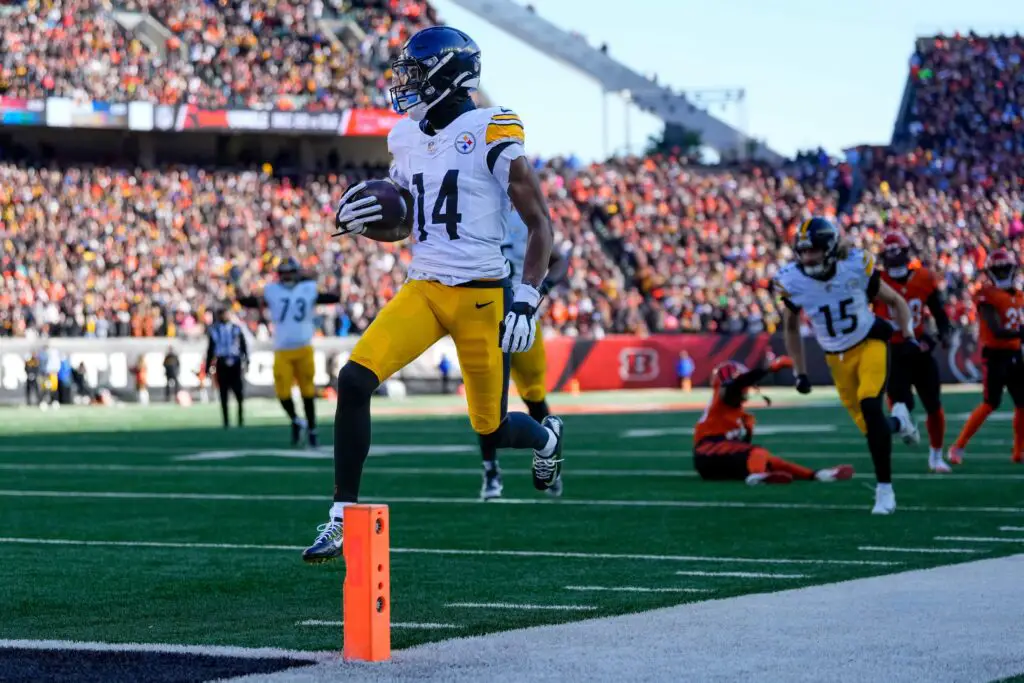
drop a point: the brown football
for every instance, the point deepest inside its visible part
(392, 226)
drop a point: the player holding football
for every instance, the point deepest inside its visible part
(722, 439)
(291, 301)
(461, 170)
(1000, 310)
(528, 369)
(913, 365)
(835, 285)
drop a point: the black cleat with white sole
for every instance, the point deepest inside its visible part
(547, 470)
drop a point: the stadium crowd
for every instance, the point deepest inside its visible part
(256, 54)
(656, 244)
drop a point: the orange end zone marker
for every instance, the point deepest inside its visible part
(367, 597)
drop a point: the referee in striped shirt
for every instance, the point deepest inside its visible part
(228, 354)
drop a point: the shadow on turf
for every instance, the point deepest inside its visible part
(27, 665)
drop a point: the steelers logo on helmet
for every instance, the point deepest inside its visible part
(434, 63)
(817, 243)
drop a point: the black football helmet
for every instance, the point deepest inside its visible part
(433, 64)
(817, 242)
(288, 271)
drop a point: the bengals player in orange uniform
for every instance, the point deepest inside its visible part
(722, 447)
(1000, 309)
(912, 365)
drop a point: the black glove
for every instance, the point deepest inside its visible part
(803, 384)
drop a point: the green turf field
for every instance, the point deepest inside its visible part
(151, 524)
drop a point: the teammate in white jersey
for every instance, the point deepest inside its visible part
(291, 301)
(461, 170)
(834, 286)
(528, 369)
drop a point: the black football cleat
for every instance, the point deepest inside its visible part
(547, 470)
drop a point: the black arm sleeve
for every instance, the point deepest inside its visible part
(937, 305)
(988, 312)
(874, 283)
(209, 349)
(734, 389)
(788, 303)
(251, 301)
(328, 298)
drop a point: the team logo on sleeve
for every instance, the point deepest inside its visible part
(465, 143)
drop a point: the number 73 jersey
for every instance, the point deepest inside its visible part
(839, 308)
(458, 179)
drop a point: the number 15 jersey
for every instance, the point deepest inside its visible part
(458, 179)
(839, 308)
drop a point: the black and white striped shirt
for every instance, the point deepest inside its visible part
(227, 343)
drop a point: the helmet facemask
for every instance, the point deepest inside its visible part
(413, 91)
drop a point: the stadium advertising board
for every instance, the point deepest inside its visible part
(63, 112)
(20, 112)
(614, 362)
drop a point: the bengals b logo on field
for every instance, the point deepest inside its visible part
(638, 365)
(962, 358)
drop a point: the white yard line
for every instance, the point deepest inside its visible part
(397, 624)
(980, 539)
(420, 471)
(635, 589)
(427, 500)
(1011, 528)
(744, 575)
(454, 552)
(214, 650)
(939, 551)
(517, 605)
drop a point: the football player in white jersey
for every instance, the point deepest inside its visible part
(834, 286)
(528, 369)
(291, 301)
(461, 170)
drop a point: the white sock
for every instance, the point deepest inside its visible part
(550, 447)
(884, 487)
(490, 465)
(338, 510)
(935, 454)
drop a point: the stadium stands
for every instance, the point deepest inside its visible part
(656, 244)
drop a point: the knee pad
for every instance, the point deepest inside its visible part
(356, 383)
(874, 416)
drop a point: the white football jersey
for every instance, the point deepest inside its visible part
(838, 308)
(459, 183)
(514, 246)
(291, 312)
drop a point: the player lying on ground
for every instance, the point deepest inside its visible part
(291, 301)
(461, 171)
(1000, 309)
(912, 366)
(835, 285)
(528, 369)
(722, 440)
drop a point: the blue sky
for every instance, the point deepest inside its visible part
(816, 72)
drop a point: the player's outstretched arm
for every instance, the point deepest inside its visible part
(795, 347)
(898, 305)
(251, 301)
(528, 199)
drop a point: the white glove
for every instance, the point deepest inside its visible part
(352, 218)
(518, 330)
